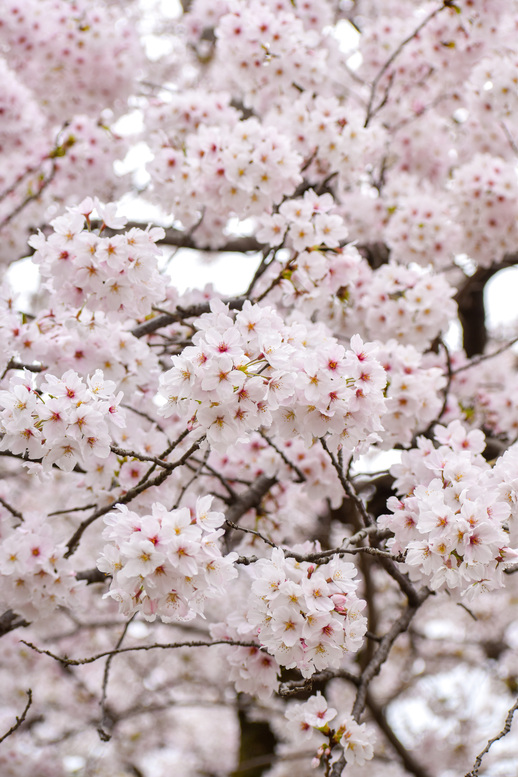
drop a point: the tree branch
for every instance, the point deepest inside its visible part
(19, 720)
(156, 646)
(506, 729)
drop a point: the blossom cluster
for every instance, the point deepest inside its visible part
(252, 669)
(302, 224)
(421, 230)
(82, 344)
(244, 168)
(413, 392)
(90, 62)
(331, 136)
(307, 615)
(269, 52)
(257, 371)
(64, 422)
(115, 274)
(314, 715)
(450, 522)
(411, 305)
(168, 563)
(486, 193)
(35, 577)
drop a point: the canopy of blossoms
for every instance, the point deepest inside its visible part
(246, 535)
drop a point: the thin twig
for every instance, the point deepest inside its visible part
(19, 720)
(371, 111)
(136, 648)
(291, 465)
(73, 542)
(506, 729)
(484, 356)
(348, 487)
(105, 720)
(12, 510)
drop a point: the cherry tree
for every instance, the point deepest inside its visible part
(242, 534)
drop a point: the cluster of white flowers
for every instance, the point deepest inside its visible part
(413, 393)
(303, 223)
(252, 669)
(493, 82)
(82, 344)
(449, 522)
(168, 563)
(411, 305)
(314, 715)
(243, 169)
(63, 422)
(116, 274)
(258, 371)
(331, 136)
(268, 52)
(92, 56)
(421, 230)
(307, 615)
(34, 575)
(486, 195)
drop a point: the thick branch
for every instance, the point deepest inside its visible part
(249, 498)
(9, 621)
(382, 653)
(180, 314)
(411, 765)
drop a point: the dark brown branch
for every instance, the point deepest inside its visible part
(382, 653)
(11, 509)
(16, 365)
(179, 239)
(250, 498)
(180, 314)
(9, 621)
(92, 576)
(410, 764)
(347, 486)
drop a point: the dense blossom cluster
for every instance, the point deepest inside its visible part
(183, 474)
(36, 579)
(314, 715)
(168, 563)
(268, 52)
(307, 615)
(64, 421)
(449, 521)
(96, 59)
(115, 274)
(237, 167)
(486, 193)
(293, 379)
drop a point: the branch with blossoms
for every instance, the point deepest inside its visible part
(371, 110)
(74, 541)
